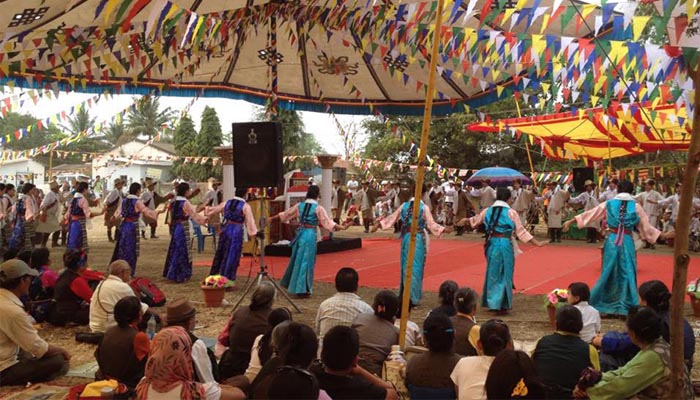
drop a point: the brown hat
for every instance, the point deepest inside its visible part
(179, 310)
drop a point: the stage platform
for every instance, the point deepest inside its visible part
(322, 247)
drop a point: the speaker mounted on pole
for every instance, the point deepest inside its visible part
(257, 154)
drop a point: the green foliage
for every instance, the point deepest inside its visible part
(184, 140)
(147, 118)
(210, 134)
(80, 122)
(116, 134)
(295, 140)
(37, 137)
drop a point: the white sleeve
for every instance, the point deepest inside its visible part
(212, 391)
(202, 362)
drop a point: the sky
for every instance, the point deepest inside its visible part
(321, 125)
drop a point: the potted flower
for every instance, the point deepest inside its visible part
(552, 301)
(214, 289)
(693, 291)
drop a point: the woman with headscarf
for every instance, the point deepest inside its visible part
(616, 289)
(299, 276)
(128, 244)
(72, 292)
(169, 373)
(501, 222)
(178, 262)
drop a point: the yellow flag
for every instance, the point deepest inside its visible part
(639, 23)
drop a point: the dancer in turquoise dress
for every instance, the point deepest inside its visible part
(299, 276)
(425, 223)
(500, 222)
(616, 289)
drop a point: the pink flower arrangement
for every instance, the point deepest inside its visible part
(693, 288)
(217, 281)
(556, 297)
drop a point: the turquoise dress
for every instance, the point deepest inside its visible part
(500, 260)
(299, 276)
(419, 255)
(616, 289)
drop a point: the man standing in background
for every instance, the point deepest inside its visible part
(111, 202)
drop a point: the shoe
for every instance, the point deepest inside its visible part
(154, 237)
(366, 231)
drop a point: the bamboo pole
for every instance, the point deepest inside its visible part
(420, 173)
(680, 251)
(51, 166)
(527, 144)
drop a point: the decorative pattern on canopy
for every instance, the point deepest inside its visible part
(598, 133)
(353, 56)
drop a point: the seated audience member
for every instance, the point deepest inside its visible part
(43, 284)
(341, 376)
(579, 294)
(377, 331)
(446, 293)
(428, 371)
(72, 292)
(120, 340)
(169, 373)
(263, 349)
(108, 293)
(648, 374)
(469, 375)
(181, 313)
(342, 307)
(24, 356)
(562, 356)
(245, 325)
(414, 336)
(616, 348)
(512, 375)
(298, 348)
(279, 336)
(26, 256)
(292, 383)
(464, 323)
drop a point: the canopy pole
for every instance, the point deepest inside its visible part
(274, 85)
(51, 166)
(527, 142)
(680, 250)
(420, 173)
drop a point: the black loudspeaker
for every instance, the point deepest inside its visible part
(257, 154)
(581, 175)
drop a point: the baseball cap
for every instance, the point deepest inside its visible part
(15, 268)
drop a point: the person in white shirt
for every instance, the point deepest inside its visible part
(337, 201)
(110, 208)
(588, 201)
(555, 210)
(469, 375)
(673, 202)
(342, 307)
(486, 194)
(450, 201)
(579, 294)
(148, 198)
(649, 199)
(50, 215)
(610, 192)
(521, 199)
(24, 355)
(353, 186)
(108, 293)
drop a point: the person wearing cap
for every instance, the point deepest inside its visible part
(130, 209)
(110, 208)
(148, 197)
(49, 216)
(588, 201)
(178, 261)
(26, 211)
(76, 218)
(425, 223)
(238, 226)
(299, 276)
(337, 199)
(24, 355)
(616, 289)
(180, 312)
(610, 192)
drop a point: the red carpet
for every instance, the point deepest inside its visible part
(537, 270)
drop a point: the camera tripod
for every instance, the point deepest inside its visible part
(262, 273)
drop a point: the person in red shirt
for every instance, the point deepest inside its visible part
(72, 292)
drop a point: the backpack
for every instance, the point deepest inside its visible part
(148, 292)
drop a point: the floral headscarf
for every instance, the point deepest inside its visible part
(169, 365)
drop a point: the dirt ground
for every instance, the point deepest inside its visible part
(527, 321)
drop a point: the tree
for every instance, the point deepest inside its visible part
(12, 122)
(81, 122)
(209, 137)
(147, 119)
(183, 139)
(295, 140)
(117, 134)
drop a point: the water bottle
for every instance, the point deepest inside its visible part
(397, 355)
(151, 327)
(395, 369)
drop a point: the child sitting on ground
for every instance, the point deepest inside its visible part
(579, 294)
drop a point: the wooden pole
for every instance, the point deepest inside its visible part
(420, 173)
(51, 166)
(680, 251)
(527, 145)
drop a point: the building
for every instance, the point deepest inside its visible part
(134, 161)
(22, 170)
